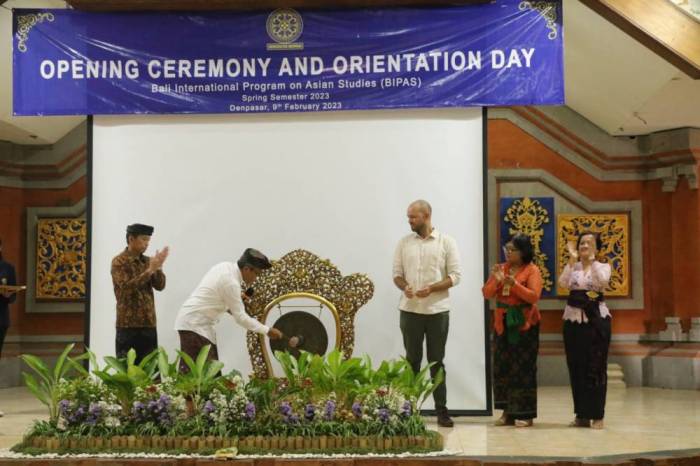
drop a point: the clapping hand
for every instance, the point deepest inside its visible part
(424, 292)
(573, 253)
(497, 272)
(157, 261)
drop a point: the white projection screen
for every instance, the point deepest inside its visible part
(335, 184)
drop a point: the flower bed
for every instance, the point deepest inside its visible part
(322, 405)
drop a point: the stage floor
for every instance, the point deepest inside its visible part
(637, 420)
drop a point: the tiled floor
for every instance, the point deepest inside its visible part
(638, 420)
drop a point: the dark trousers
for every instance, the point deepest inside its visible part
(433, 328)
(587, 358)
(144, 340)
(191, 344)
(515, 374)
(3, 332)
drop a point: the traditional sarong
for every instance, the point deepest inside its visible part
(191, 344)
(515, 373)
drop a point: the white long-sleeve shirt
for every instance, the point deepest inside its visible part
(218, 292)
(596, 278)
(422, 262)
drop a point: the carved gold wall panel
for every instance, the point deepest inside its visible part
(61, 258)
(615, 233)
(533, 217)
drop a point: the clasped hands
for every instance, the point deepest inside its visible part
(422, 293)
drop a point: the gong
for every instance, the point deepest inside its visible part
(301, 331)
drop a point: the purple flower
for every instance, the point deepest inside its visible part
(208, 407)
(250, 411)
(357, 409)
(91, 419)
(285, 409)
(287, 415)
(63, 406)
(310, 412)
(329, 412)
(77, 416)
(384, 415)
(138, 408)
(406, 409)
(94, 414)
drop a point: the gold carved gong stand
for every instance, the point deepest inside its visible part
(302, 274)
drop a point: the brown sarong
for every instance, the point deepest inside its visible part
(191, 343)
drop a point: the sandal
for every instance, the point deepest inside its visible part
(504, 420)
(580, 422)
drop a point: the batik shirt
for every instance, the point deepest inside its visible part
(133, 288)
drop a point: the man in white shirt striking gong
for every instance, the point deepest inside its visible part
(221, 290)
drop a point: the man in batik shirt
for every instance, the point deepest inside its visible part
(134, 276)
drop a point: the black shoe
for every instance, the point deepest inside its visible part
(443, 418)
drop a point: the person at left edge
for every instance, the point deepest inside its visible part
(135, 276)
(7, 277)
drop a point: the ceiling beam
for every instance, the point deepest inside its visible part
(660, 26)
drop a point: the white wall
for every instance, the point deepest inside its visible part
(336, 184)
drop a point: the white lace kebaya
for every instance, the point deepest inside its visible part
(596, 278)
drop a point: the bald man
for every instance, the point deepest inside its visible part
(426, 266)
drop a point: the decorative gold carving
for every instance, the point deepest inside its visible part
(614, 233)
(25, 23)
(547, 10)
(61, 258)
(301, 273)
(527, 216)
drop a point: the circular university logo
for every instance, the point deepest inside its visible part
(284, 25)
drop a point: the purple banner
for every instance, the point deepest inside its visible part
(67, 62)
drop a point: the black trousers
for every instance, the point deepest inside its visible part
(432, 329)
(587, 358)
(144, 340)
(3, 332)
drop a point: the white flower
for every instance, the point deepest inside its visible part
(111, 421)
(61, 423)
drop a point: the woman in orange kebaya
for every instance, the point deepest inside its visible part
(516, 285)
